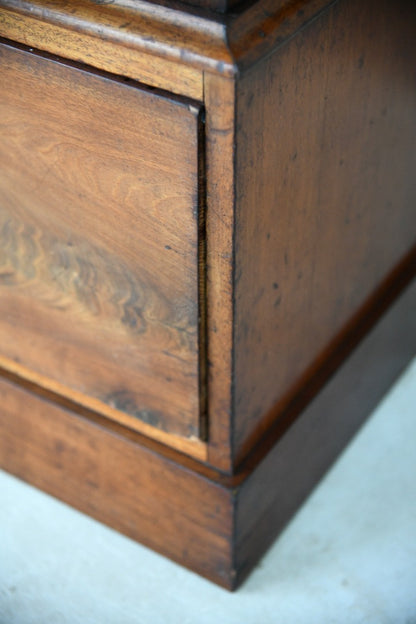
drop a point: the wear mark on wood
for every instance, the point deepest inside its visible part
(125, 401)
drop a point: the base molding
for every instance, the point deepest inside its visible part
(217, 526)
(299, 459)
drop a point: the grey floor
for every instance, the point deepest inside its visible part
(348, 556)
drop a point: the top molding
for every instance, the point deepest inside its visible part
(220, 6)
(195, 36)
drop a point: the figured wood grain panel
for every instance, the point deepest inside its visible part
(326, 195)
(99, 208)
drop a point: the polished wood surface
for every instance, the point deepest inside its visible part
(57, 37)
(222, 6)
(220, 138)
(126, 39)
(99, 242)
(216, 526)
(110, 476)
(191, 266)
(325, 204)
(150, 42)
(275, 489)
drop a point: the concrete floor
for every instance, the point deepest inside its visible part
(349, 556)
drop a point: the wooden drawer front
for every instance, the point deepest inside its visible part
(99, 241)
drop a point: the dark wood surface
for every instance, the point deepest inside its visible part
(276, 488)
(150, 42)
(96, 35)
(215, 526)
(99, 208)
(220, 138)
(137, 292)
(325, 204)
(112, 477)
(115, 37)
(222, 6)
